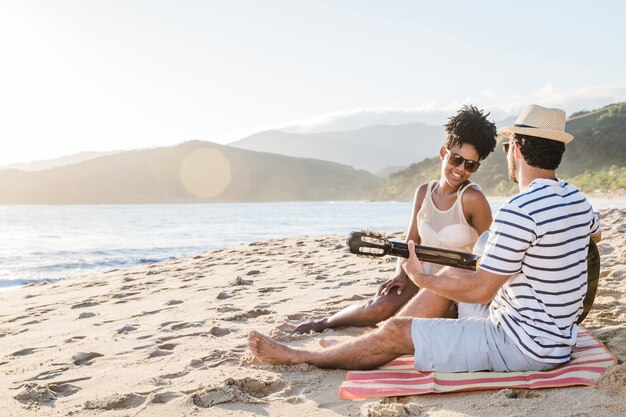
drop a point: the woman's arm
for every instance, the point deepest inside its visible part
(477, 210)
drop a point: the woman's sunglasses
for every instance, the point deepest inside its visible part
(455, 160)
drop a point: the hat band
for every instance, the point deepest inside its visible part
(518, 125)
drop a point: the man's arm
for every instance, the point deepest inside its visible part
(476, 287)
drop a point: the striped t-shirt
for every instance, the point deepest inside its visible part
(541, 237)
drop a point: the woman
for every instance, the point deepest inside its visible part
(450, 213)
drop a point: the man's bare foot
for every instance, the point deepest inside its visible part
(270, 351)
(325, 343)
(316, 326)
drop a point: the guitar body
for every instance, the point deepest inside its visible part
(374, 244)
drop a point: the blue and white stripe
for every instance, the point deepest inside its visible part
(541, 238)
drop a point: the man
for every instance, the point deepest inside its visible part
(533, 273)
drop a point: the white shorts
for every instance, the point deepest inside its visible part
(465, 310)
(468, 344)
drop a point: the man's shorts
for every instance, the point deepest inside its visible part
(466, 345)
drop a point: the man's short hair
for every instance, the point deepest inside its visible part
(539, 152)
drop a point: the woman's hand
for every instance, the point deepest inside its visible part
(399, 282)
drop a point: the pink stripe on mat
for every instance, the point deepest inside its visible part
(590, 359)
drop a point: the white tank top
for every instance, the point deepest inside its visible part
(447, 229)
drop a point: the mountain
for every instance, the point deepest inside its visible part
(192, 172)
(594, 160)
(57, 162)
(373, 148)
(380, 149)
(600, 139)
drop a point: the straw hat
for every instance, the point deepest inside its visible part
(540, 122)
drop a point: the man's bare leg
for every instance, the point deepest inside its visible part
(426, 304)
(371, 313)
(368, 351)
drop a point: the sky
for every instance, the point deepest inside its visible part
(87, 75)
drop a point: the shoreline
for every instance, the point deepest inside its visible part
(169, 338)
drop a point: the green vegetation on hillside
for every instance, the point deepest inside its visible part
(607, 179)
(594, 161)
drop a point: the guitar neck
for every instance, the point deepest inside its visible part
(437, 256)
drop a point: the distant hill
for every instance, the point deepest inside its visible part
(373, 148)
(57, 162)
(595, 160)
(192, 172)
(602, 143)
(380, 149)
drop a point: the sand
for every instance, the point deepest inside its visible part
(169, 339)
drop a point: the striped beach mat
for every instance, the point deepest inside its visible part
(590, 359)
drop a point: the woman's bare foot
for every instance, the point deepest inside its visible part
(325, 343)
(270, 351)
(316, 326)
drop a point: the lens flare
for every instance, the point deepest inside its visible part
(205, 173)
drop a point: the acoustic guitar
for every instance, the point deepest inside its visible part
(375, 244)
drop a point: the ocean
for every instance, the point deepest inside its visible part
(50, 243)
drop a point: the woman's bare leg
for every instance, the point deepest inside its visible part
(378, 309)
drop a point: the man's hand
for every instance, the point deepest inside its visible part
(412, 266)
(399, 282)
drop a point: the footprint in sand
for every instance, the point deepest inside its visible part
(258, 312)
(216, 358)
(271, 289)
(52, 373)
(24, 352)
(174, 375)
(120, 295)
(223, 296)
(249, 315)
(17, 318)
(168, 346)
(163, 397)
(186, 325)
(73, 339)
(116, 402)
(150, 312)
(219, 331)
(507, 397)
(173, 302)
(241, 281)
(227, 309)
(86, 315)
(42, 394)
(388, 407)
(251, 390)
(86, 303)
(85, 358)
(156, 353)
(127, 329)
